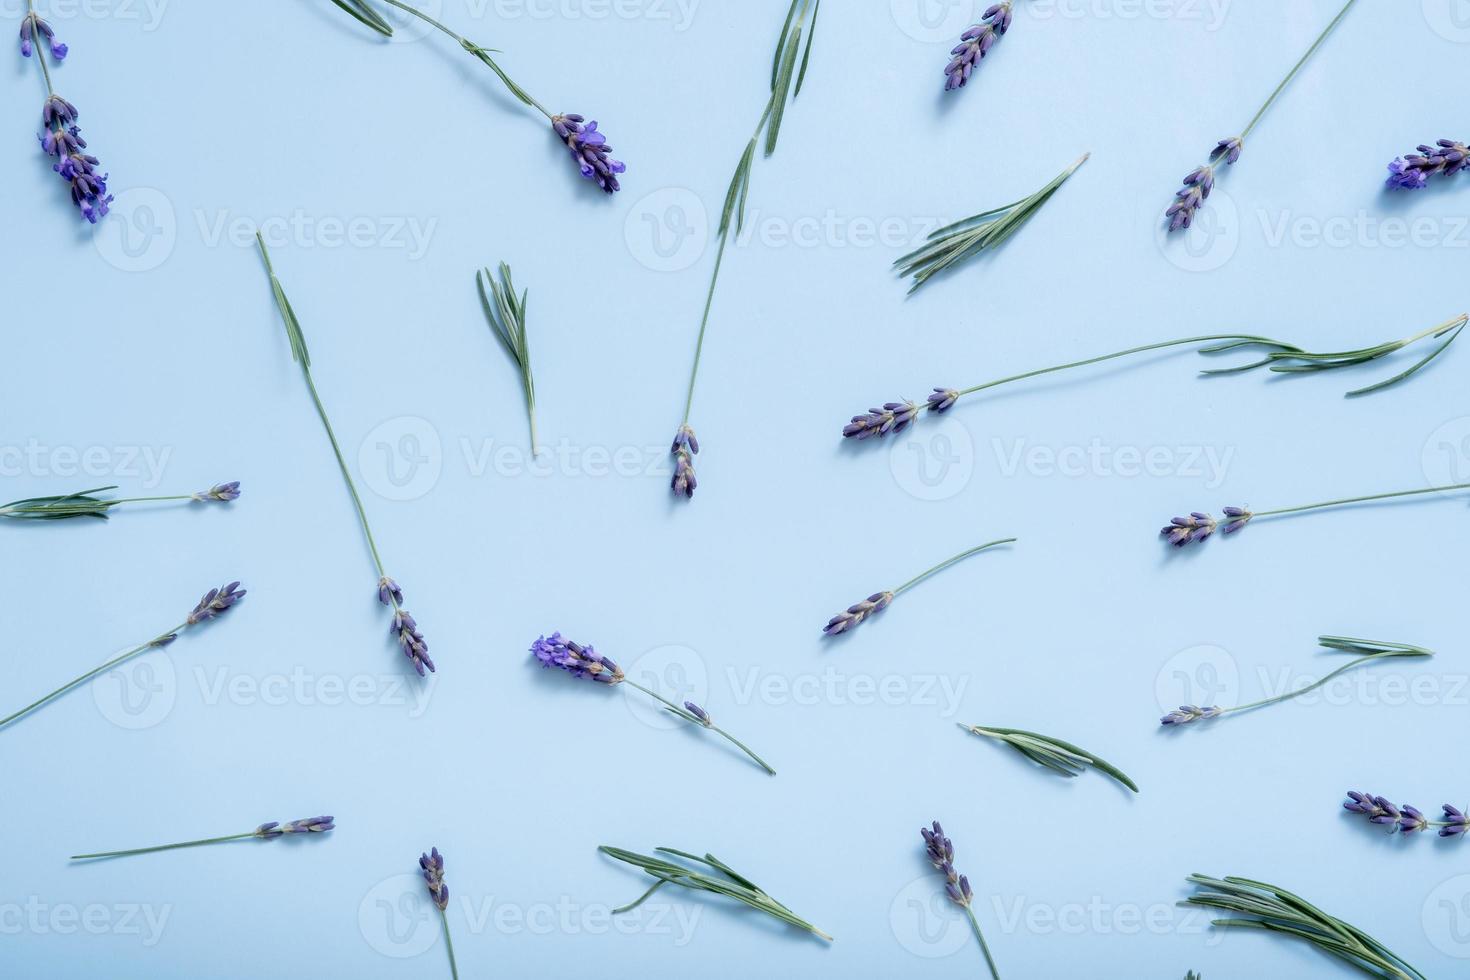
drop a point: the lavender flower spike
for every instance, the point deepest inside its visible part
(575, 659)
(940, 852)
(62, 138)
(892, 417)
(309, 825)
(684, 449)
(1197, 186)
(856, 613)
(216, 602)
(589, 148)
(1413, 170)
(1188, 530)
(388, 591)
(975, 43)
(220, 492)
(410, 640)
(1187, 713)
(432, 865)
(1405, 819)
(266, 831)
(1456, 822)
(1239, 517)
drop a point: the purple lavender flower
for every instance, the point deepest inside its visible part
(941, 855)
(684, 449)
(1186, 530)
(943, 399)
(269, 831)
(589, 148)
(27, 36)
(215, 602)
(1187, 713)
(1197, 186)
(1412, 821)
(220, 492)
(33, 27)
(1239, 517)
(410, 640)
(433, 868)
(1457, 823)
(699, 713)
(389, 594)
(975, 43)
(1229, 149)
(62, 139)
(856, 613)
(892, 417)
(1413, 170)
(309, 825)
(575, 659)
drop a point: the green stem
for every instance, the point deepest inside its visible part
(40, 44)
(984, 946)
(704, 322)
(1316, 684)
(1123, 353)
(1296, 68)
(91, 674)
(163, 847)
(692, 719)
(1359, 500)
(449, 944)
(948, 562)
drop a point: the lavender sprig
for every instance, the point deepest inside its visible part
(85, 503)
(940, 851)
(586, 663)
(858, 612)
(1407, 819)
(1370, 651)
(507, 315)
(215, 603)
(588, 147)
(403, 627)
(975, 44)
(729, 884)
(1200, 181)
(970, 236)
(266, 831)
(1052, 753)
(1280, 357)
(62, 138)
(432, 866)
(1257, 905)
(1411, 172)
(786, 82)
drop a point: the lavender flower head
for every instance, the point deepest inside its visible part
(62, 138)
(941, 855)
(589, 148)
(943, 399)
(1197, 186)
(220, 492)
(410, 640)
(892, 417)
(1229, 149)
(699, 713)
(388, 591)
(575, 659)
(433, 868)
(33, 27)
(1413, 170)
(1239, 517)
(215, 602)
(310, 825)
(1188, 530)
(684, 449)
(856, 613)
(1457, 823)
(1187, 713)
(975, 43)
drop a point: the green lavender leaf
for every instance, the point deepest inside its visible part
(365, 14)
(1053, 753)
(61, 507)
(507, 315)
(806, 57)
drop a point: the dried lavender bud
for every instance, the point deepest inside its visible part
(1413, 170)
(943, 399)
(269, 831)
(389, 594)
(1239, 517)
(1187, 530)
(892, 417)
(309, 825)
(699, 713)
(1456, 822)
(220, 492)
(975, 43)
(1412, 821)
(941, 855)
(1197, 186)
(589, 148)
(33, 28)
(433, 868)
(1187, 713)
(411, 641)
(215, 602)
(857, 612)
(575, 659)
(684, 448)
(1229, 149)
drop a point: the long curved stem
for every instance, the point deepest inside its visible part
(1296, 68)
(948, 562)
(163, 847)
(321, 412)
(984, 946)
(1319, 683)
(687, 716)
(90, 674)
(1359, 500)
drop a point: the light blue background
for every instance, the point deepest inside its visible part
(157, 333)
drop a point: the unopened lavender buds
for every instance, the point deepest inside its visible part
(216, 602)
(1407, 819)
(86, 503)
(584, 662)
(975, 44)
(857, 613)
(266, 831)
(940, 852)
(432, 867)
(1412, 171)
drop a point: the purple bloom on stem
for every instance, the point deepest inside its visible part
(1229, 149)
(27, 36)
(269, 831)
(220, 492)
(389, 593)
(941, 855)
(854, 615)
(1413, 170)
(1456, 822)
(410, 640)
(1187, 713)
(432, 865)
(943, 399)
(683, 450)
(1186, 530)
(575, 659)
(589, 148)
(975, 43)
(1197, 186)
(310, 825)
(699, 713)
(892, 417)
(1412, 821)
(215, 602)
(1239, 517)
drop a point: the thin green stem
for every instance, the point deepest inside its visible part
(1359, 500)
(704, 322)
(1328, 677)
(346, 473)
(984, 946)
(1296, 68)
(163, 847)
(40, 45)
(948, 562)
(91, 674)
(449, 944)
(684, 713)
(1122, 353)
